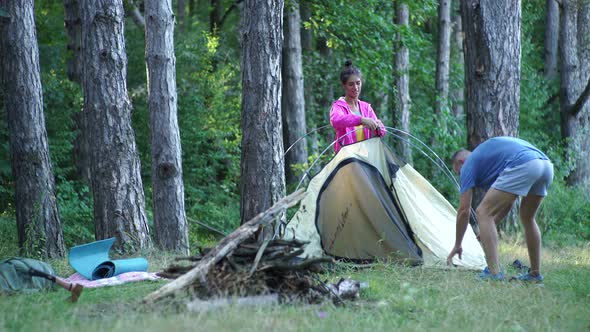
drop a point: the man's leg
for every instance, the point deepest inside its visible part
(528, 209)
(492, 209)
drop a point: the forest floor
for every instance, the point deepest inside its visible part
(398, 297)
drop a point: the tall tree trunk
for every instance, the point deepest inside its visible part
(551, 37)
(401, 113)
(574, 50)
(215, 15)
(119, 203)
(73, 30)
(293, 103)
(170, 226)
(262, 167)
(326, 99)
(73, 26)
(306, 34)
(492, 73)
(307, 50)
(443, 56)
(182, 14)
(37, 217)
(457, 94)
(191, 8)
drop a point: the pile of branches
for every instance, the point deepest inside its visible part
(252, 269)
(240, 266)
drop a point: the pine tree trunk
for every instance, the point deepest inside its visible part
(457, 95)
(551, 38)
(215, 14)
(262, 167)
(170, 226)
(306, 34)
(73, 26)
(182, 14)
(443, 56)
(293, 103)
(307, 50)
(575, 72)
(37, 216)
(401, 113)
(74, 32)
(119, 203)
(492, 73)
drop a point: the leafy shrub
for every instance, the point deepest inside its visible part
(564, 215)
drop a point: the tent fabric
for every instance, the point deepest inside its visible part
(14, 275)
(386, 202)
(92, 261)
(348, 197)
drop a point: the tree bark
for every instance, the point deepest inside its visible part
(401, 113)
(457, 95)
(551, 38)
(443, 56)
(73, 30)
(492, 73)
(293, 103)
(262, 167)
(119, 203)
(492, 68)
(170, 224)
(324, 102)
(182, 14)
(306, 34)
(37, 216)
(575, 72)
(215, 15)
(73, 26)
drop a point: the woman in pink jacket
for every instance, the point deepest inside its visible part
(354, 120)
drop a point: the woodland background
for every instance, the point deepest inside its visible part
(212, 118)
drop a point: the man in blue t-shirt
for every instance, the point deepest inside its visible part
(509, 167)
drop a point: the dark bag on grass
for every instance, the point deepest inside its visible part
(14, 275)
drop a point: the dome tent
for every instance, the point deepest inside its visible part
(367, 203)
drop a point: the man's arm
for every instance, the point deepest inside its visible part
(463, 214)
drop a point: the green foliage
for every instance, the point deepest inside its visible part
(564, 215)
(8, 245)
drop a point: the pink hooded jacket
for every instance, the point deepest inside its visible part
(344, 121)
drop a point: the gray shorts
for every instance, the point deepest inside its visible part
(532, 177)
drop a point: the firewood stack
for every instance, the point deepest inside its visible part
(278, 271)
(240, 266)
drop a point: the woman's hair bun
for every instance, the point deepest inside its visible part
(348, 63)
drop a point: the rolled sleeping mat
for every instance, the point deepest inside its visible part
(92, 261)
(115, 267)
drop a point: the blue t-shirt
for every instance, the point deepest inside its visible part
(490, 158)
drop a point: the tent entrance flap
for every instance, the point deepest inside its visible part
(358, 218)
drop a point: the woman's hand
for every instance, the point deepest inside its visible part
(369, 123)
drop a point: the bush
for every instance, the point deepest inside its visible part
(564, 216)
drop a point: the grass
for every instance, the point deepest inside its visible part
(398, 297)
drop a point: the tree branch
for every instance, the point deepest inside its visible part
(227, 12)
(226, 246)
(135, 14)
(582, 99)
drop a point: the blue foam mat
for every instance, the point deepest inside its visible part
(92, 261)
